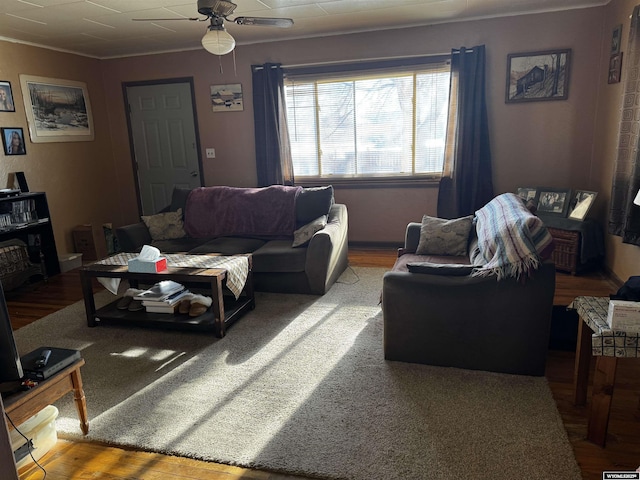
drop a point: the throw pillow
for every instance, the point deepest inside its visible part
(439, 236)
(302, 235)
(452, 269)
(165, 226)
(313, 202)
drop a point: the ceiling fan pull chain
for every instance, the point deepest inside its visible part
(235, 70)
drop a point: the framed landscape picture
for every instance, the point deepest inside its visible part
(57, 110)
(227, 98)
(554, 201)
(537, 76)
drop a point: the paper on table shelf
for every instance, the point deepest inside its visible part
(110, 284)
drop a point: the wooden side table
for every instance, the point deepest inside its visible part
(22, 406)
(595, 338)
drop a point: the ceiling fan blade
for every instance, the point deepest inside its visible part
(168, 19)
(263, 21)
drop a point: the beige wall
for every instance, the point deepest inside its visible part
(622, 259)
(543, 143)
(78, 177)
(538, 143)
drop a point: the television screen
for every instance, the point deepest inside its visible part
(10, 366)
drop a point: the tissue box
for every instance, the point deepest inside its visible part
(141, 266)
(624, 315)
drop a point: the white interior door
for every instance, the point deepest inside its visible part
(164, 139)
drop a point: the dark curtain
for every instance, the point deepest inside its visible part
(466, 183)
(273, 154)
(624, 216)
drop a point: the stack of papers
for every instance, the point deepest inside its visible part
(160, 291)
(163, 297)
(168, 305)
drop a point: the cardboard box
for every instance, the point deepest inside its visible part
(89, 240)
(137, 266)
(624, 315)
(69, 261)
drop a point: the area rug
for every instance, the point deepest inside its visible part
(300, 386)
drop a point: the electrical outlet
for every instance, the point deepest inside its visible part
(211, 153)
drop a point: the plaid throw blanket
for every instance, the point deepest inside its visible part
(512, 241)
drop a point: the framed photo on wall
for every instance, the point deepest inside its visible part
(57, 110)
(6, 97)
(616, 38)
(227, 98)
(13, 141)
(537, 76)
(554, 201)
(615, 68)
(582, 202)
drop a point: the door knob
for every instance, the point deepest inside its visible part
(194, 174)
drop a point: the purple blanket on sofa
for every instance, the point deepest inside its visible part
(227, 211)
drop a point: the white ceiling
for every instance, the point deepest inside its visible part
(104, 28)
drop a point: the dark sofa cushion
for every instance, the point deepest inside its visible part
(179, 199)
(403, 261)
(279, 256)
(229, 245)
(177, 245)
(453, 269)
(313, 202)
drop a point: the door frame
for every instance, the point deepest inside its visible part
(134, 163)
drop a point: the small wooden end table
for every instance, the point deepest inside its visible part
(23, 405)
(595, 338)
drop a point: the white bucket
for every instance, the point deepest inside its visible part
(41, 430)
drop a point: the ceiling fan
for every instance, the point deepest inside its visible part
(217, 40)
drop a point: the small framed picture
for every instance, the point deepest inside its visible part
(6, 97)
(581, 204)
(616, 39)
(554, 201)
(528, 193)
(227, 98)
(13, 141)
(615, 68)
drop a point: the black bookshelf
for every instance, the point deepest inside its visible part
(26, 217)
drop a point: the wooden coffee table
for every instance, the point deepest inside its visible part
(224, 310)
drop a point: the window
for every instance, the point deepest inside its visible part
(370, 123)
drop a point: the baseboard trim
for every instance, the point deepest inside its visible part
(614, 278)
(375, 245)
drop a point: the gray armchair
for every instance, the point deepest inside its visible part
(463, 321)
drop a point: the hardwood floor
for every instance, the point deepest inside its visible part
(84, 460)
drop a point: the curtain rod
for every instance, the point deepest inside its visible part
(361, 60)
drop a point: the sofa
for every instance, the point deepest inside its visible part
(298, 237)
(461, 309)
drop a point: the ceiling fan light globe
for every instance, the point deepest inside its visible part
(218, 42)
